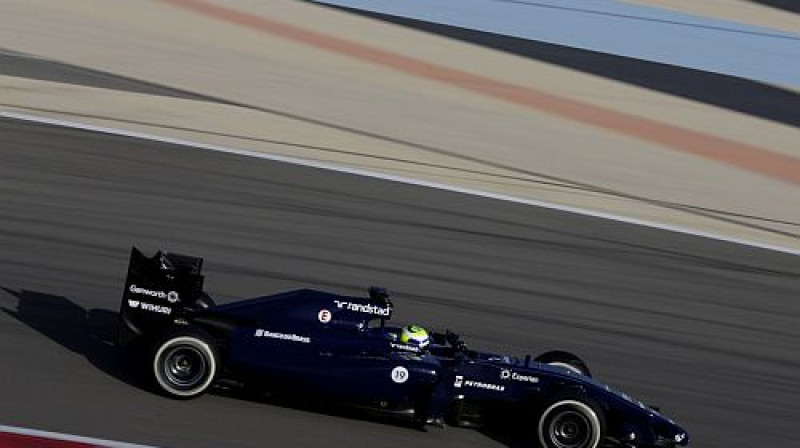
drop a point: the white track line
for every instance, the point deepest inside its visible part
(400, 179)
(68, 437)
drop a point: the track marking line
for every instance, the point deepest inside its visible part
(399, 179)
(61, 437)
(723, 150)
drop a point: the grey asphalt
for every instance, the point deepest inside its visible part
(707, 330)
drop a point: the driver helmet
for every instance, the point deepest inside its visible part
(415, 335)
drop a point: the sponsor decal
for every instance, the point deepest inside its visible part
(363, 308)
(482, 385)
(149, 307)
(680, 437)
(324, 316)
(147, 292)
(406, 347)
(507, 374)
(155, 308)
(260, 333)
(459, 381)
(172, 297)
(399, 374)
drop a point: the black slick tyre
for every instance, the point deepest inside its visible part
(565, 360)
(184, 365)
(570, 422)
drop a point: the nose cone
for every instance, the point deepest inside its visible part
(675, 436)
(668, 433)
(681, 437)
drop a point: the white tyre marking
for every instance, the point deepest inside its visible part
(566, 366)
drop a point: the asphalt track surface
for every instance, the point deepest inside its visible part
(707, 330)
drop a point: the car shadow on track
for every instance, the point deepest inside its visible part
(503, 435)
(87, 332)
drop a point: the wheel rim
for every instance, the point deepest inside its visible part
(570, 429)
(184, 366)
(569, 424)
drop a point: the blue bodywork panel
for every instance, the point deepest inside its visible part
(341, 347)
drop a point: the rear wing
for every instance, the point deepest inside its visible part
(159, 291)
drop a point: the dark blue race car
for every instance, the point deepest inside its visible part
(319, 344)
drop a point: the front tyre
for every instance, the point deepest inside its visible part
(566, 361)
(570, 423)
(184, 365)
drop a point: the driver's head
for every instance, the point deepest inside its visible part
(415, 335)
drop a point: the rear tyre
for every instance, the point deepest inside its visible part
(570, 423)
(184, 365)
(565, 360)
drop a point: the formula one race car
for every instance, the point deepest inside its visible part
(305, 341)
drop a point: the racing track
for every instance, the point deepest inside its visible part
(707, 330)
